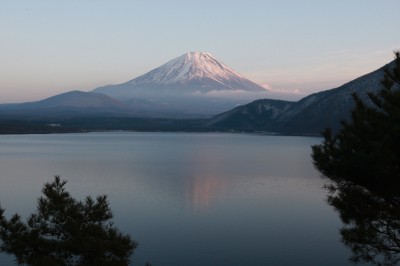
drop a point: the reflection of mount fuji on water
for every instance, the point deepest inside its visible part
(194, 83)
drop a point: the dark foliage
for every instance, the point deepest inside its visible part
(371, 223)
(362, 162)
(64, 231)
(366, 150)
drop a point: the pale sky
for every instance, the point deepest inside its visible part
(294, 47)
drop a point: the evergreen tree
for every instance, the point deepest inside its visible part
(366, 150)
(362, 163)
(371, 223)
(64, 231)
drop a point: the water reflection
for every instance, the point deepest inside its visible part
(189, 199)
(202, 191)
(371, 222)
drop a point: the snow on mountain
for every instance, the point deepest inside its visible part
(190, 66)
(192, 73)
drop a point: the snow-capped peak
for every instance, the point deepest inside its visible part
(190, 66)
(194, 73)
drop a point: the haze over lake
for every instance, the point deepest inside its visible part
(188, 199)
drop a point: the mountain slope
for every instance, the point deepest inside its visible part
(310, 115)
(79, 99)
(74, 103)
(257, 115)
(327, 108)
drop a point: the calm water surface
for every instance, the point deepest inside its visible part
(188, 199)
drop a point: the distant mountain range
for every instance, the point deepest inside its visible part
(184, 94)
(194, 85)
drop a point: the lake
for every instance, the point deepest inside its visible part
(188, 198)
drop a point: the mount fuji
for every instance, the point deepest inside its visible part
(194, 83)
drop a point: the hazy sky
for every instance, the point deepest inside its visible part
(48, 47)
